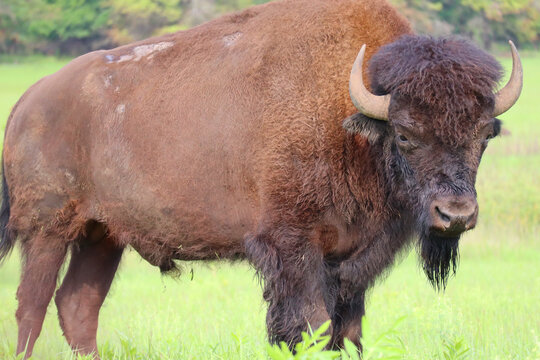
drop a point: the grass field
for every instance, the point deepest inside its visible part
(493, 304)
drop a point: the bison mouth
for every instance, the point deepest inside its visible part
(440, 256)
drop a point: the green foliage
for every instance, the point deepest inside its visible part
(31, 23)
(232, 5)
(455, 350)
(311, 347)
(76, 26)
(63, 19)
(423, 15)
(386, 346)
(137, 19)
(499, 20)
(485, 21)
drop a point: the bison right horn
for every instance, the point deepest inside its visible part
(368, 104)
(508, 95)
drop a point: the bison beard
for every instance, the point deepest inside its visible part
(440, 256)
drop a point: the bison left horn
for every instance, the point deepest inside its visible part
(508, 95)
(368, 104)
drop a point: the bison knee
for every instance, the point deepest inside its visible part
(263, 256)
(292, 273)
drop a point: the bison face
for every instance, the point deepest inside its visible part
(432, 171)
(433, 113)
(437, 162)
(436, 166)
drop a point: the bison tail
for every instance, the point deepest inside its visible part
(7, 240)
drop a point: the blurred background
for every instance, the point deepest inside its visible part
(73, 27)
(490, 309)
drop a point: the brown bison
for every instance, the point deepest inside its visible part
(238, 138)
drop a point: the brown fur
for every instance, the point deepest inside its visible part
(448, 75)
(223, 141)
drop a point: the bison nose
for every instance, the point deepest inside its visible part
(452, 215)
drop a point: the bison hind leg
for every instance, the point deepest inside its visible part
(94, 261)
(43, 255)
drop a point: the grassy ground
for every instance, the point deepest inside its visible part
(492, 304)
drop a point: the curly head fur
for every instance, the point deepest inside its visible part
(449, 76)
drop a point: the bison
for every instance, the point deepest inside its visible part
(238, 139)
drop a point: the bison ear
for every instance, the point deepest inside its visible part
(500, 129)
(372, 129)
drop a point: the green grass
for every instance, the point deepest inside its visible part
(492, 303)
(16, 77)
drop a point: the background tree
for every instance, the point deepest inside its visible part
(489, 21)
(134, 20)
(77, 26)
(53, 26)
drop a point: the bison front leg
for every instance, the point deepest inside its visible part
(83, 291)
(292, 271)
(347, 319)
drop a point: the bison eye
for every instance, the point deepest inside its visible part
(402, 139)
(404, 143)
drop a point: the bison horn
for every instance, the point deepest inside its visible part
(508, 95)
(368, 104)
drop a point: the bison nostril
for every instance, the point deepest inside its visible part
(442, 215)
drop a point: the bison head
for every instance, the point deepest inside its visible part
(433, 113)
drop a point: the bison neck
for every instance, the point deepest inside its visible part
(365, 221)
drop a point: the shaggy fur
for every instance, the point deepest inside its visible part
(449, 76)
(448, 83)
(227, 141)
(440, 256)
(6, 240)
